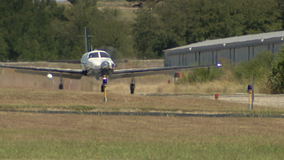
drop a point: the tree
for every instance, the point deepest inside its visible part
(143, 31)
(105, 25)
(150, 33)
(3, 49)
(174, 23)
(281, 11)
(26, 29)
(260, 16)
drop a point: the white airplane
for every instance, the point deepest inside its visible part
(97, 63)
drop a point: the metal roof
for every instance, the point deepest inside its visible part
(237, 40)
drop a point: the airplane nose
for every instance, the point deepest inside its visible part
(105, 65)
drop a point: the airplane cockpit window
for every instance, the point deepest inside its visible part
(94, 55)
(103, 54)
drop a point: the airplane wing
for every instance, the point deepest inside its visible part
(66, 73)
(78, 73)
(123, 73)
(75, 62)
(78, 62)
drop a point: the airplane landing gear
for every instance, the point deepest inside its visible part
(132, 88)
(132, 85)
(60, 86)
(60, 83)
(102, 88)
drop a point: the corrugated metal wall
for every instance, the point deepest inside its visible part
(233, 54)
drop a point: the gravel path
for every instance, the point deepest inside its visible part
(276, 100)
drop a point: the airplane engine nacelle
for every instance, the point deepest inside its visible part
(49, 76)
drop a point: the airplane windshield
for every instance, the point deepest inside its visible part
(103, 54)
(94, 55)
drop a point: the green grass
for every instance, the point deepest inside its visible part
(250, 147)
(47, 136)
(262, 112)
(81, 108)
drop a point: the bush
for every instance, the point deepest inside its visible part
(204, 74)
(259, 67)
(276, 79)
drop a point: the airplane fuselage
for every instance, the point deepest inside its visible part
(97, 63)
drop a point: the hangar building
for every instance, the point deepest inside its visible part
(234, 49)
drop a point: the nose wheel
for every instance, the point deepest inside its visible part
(132, 84)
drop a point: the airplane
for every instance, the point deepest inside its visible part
(97, 63)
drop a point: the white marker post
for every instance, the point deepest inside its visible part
(70, 83)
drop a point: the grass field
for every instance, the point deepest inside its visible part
(70, 136)
(46, 136)
(43, 99)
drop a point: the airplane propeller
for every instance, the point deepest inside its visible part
(114, 53)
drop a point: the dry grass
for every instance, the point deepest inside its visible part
(125, 8)
(70, 136)
(46, 136)
(54, 99)
(144, 85)
(42, 99)
(30, 91)
(129, 129)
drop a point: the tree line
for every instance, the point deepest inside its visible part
(43, 30)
